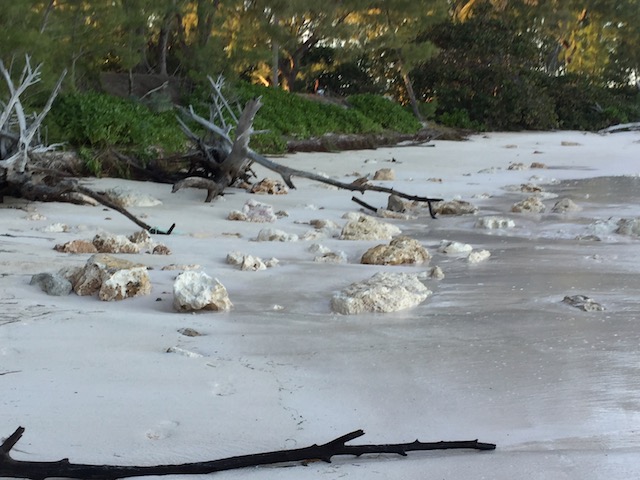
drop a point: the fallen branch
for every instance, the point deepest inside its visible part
(63, 468)
(620, 127)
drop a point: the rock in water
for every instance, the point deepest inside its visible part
(364, 227)
(400, 251)
(384, 292)
(194, 291)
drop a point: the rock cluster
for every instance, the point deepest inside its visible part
(400, 251)
(109, 243)
(364, 227)
(249, 262)
(384, 292)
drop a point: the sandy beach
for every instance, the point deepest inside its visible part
(492, 354)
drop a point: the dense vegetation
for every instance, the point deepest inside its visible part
(478, 64)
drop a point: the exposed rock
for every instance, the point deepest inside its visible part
(184, 352)
(494, 222)
(477, 256)
(537, 164)
(565, 143)
(565, 205)
(583, 303)
(253, 211)
(142, 238)
(194, 291)
(397, 204)
(529, 205)
(107, 243)
(269, 186)
(628, 226)
(400, 251)
(517, 166)
(436, 273)
(318, 248)
(365, 227)
(450, 247)
(161, 250)
(35, 216)
(588, 238)
(52, 283)
(126, 197)
(249, 262)
(77, 246)
(174, 266)
(530, 188)
(189, 332)
(454, 207)
(112, 278)
(385, 174)
(384, 292)
(322, 224)
(55, 228)
(275, 235)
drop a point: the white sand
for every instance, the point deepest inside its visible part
(493, 354)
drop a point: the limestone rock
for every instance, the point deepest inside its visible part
(517, 166)
(275, 235)
(331, 257)
(565, 205)
(450, 247)
(436, 273)
(161, 249)
(126, 197)
(55, 228)
(246, 262)
(477, 256)
(400, 251)
(365, 227)
(318, 248)
(269, 186)
(385, 174)
(384, 292)
(454, 207)
(253, 211)
(583, 303)
(174, 266)
(193, 291)
(107, 243)
(52, 283)
(537, 164)
(494, 222)
(323, 224)
(76, 246)
(397, 204)
(628, 226)
(112, 278)
(529, 205)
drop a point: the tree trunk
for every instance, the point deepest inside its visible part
(408, 84)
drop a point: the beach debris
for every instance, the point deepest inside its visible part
(494, 222)
(365, 227)
(253, 211)
(478, 256)
(383, 292)
(400, 251)
(111, 277)
(529, 205)
(385, 174)
(276, 235)
(250, 263)
(583, 303)
(450, 247)
(628, 226)
(53, 284)
(565, 205)
(269, 186)
(195, 290)
(454, 207)
(127, 197)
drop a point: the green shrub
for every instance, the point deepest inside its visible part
(98, 120)
(384, 112)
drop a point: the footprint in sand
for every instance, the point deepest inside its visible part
(163, 430)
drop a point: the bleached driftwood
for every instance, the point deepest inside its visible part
(620, 127)
(10, 468)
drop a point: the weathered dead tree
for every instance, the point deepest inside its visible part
(227, 159)
(10, 468)
(621, 127)
(21, 146)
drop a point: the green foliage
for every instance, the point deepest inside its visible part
(99, 120)
(384, 112)
(460, 119)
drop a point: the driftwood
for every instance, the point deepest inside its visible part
(229, 159)
(621, 127)
(10, 468)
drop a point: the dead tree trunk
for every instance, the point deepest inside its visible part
(230, 159)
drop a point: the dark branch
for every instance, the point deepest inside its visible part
(63, 468)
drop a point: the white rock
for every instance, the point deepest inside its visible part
(275, 235)
(530, 205)
(258, 212)
(628, 226)
(477, 256)
(194, 291)
(318, 248)
(365, 227)
(436, 273)
(331, 257)
(385, 174)
(384, 292)
(450, 247)
(400, 251)
(55, 228)
(125, 283)
(108, 243)
(454, 207)
(494, 222)
(126, 197)
(112, 278)
(565, 205)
